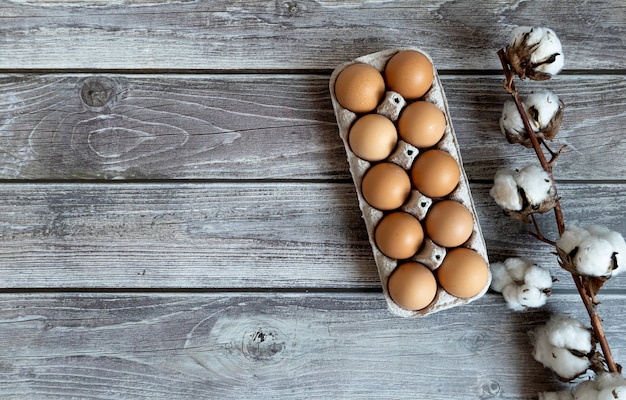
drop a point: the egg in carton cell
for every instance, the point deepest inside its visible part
(430, 254)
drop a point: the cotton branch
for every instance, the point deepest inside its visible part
(596, 323)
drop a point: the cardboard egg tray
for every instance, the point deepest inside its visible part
(430, 254)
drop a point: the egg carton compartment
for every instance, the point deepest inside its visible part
(430, 254)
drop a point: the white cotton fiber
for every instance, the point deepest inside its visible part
(567, 365)
(571, 238)
(545, 104)
(609, 379)
(562, 395)
(617, 241)
(511, 295)
(554, 343)
(605, 386)
(511, 121)
(586, 391)
(613, 393)
(542, 49)
(500, 277)
(538, 277)
(517, 267)
(593, 257)
(522, 283)
(549, 45)
(505, 191)
(535, 182)
(569, 333)
(530, 296)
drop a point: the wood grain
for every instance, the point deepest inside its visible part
(292, 35)
(259, 346)
(68, 127)
(233, 235)
(177, 219)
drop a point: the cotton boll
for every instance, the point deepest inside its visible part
(511, 121)
(555, 342)
(535, 182)
(511, 294)
(617, 241)
(600, 231)
(522, 283)
(613, 393)
(535, 52)
(538, 277)
(571, 238)
(531, 296)
(517, 35)
(594, 257)
(586, 390)
(500, 277)
(567, 365)
(504, 190)
(512, 125)
(594, 251)
(519, 298)
(542, 348)
(609, 384)
(535, 35)
(517, 267)
(548, 55)
(567, 332)
(542, 107)
(523, 192)
(544, 111)
(562, 395)
(609, 379)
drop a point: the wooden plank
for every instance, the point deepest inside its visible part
(233, 235)
(266, 127)
(182, 235)
(83, 127)
(260, 346)
(291, 35)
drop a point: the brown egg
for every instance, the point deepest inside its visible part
(412, 286)
(386, 186)
(463, 273)
(435, 173)
(359, 88)
(449, 223)
(373, 137)
(399, 235)
(421, 124)
(409, 73)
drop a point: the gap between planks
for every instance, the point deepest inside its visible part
(147, 72)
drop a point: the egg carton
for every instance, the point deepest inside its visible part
(430, 254)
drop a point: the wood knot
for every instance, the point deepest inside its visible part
(490, 389)
(238, 342)
(293, 9)
(289, 9)
(263, 344)
(97, 92)
(473, 341)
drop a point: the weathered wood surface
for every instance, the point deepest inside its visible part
(187, 152)
(233, 235)
(266, 127)
(263, 346)
(227, 35)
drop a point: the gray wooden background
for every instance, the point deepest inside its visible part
(177, 219)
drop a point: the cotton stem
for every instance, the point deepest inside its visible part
(537, 233)
(596, 322)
